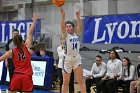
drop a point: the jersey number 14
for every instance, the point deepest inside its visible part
(74, 46)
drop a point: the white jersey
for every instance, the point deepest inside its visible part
(72, 44)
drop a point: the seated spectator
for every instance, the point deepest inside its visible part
(43, 52)
(32, 51)
(98, 71)
(108, 84)
(128, 74)
(135, 85)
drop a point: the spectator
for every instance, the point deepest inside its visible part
(32, 51)
(43, 52)
(98, 71)
(108, 84)
(136, 84)
(127, 74)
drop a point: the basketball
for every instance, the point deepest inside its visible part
(58, 3)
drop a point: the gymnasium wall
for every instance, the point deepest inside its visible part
(50, 17)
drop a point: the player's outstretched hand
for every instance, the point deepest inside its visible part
(78, 13)
(34, 18)
(62, 12)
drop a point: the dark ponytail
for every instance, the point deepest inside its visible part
(18, 41)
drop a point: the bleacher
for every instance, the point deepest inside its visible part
(89, 52)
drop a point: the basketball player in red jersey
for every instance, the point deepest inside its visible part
(22, 77)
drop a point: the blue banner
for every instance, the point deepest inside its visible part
(113, 29)
(23, 26)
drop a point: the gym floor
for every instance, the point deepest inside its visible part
(55, 89)
(4, 89)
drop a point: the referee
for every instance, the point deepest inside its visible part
(10, 45)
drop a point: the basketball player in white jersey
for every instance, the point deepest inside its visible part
(72, 58)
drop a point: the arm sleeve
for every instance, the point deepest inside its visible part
(102, 71)
(132, 73)
(92, 69)
(120, 68)
(107, 70)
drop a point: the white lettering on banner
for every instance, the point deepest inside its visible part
(23, 35)
(3, 30)
(126, 30)
(21, 26)
(111, 30)
(28, 25)
(11, 27)
(97, 22)
(8, 29)
(135, 23)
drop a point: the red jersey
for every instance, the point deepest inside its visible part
(22, 61)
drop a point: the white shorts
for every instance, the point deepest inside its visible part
(71, 62)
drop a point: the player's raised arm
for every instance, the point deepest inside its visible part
(63, 28)
(79, 23)
(30, 32)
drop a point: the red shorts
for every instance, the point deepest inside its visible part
(21, 82)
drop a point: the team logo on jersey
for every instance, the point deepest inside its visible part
(74, 39)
